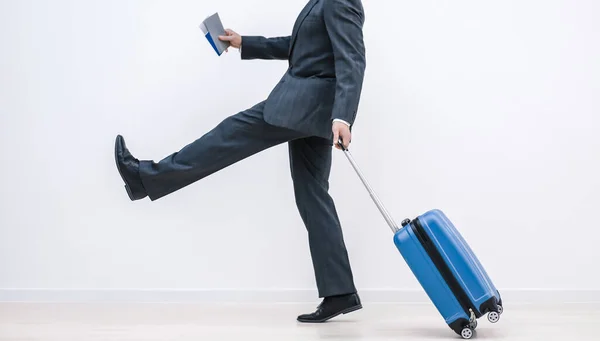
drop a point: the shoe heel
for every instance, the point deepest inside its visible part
(349, 310)
(129, 192)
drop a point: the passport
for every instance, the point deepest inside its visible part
(212, 27)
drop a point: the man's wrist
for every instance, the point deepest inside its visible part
(342, 121)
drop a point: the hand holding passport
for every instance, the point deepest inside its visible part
(212, 27)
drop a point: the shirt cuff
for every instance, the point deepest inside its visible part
(338, 120)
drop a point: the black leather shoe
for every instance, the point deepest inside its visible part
(128, 167)
(331, 307)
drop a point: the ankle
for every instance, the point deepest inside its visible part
(344, 295)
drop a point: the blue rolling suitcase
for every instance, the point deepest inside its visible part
(444, 265)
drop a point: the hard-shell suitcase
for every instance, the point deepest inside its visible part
(444, 265)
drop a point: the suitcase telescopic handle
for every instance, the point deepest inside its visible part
(386, 215)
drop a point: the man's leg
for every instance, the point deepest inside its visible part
(310, 161)
(235, 138)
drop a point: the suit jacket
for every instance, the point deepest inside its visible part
(326, 57)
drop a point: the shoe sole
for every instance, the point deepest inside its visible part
(346, 311)
(129, 193)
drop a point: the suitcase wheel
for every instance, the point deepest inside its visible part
(466, 333)
(500, 309)
(493, 316)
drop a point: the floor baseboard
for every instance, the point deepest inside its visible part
(543, 296)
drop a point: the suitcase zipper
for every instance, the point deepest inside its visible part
(440, 264)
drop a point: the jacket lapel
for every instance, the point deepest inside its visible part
(309, 6)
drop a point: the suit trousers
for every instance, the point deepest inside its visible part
(242, 135)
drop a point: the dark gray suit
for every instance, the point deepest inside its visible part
(326, 57)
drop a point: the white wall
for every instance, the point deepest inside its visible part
(487, 110)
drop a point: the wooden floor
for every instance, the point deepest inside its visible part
(272, 322)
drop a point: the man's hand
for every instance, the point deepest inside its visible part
(233, 38)
(341, 131)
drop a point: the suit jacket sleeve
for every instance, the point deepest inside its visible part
(256, 47)
(344, 20)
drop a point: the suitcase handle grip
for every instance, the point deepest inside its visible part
(386, 215)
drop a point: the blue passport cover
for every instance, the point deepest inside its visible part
(212, 43)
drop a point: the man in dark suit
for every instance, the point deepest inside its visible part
(311, 108)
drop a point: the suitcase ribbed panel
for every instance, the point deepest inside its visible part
(460, 259)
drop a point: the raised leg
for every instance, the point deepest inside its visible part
(235, 138)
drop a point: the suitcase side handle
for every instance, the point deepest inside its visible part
(386, 215)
